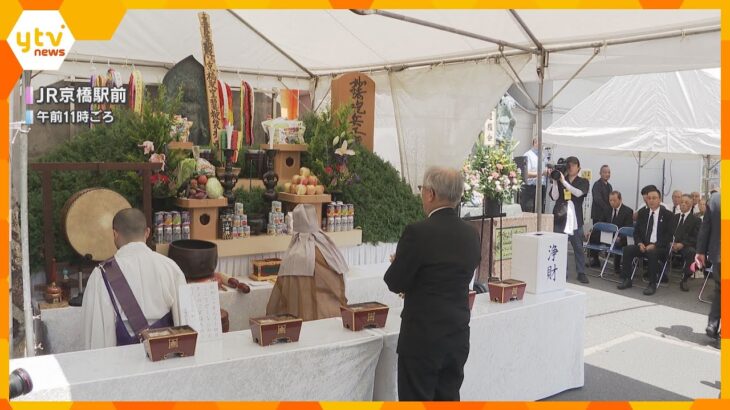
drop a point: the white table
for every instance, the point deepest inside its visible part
(522, 350)
(329, 363)
(362, 283)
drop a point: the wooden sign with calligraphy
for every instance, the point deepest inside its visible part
(211, 77)
(359, 90)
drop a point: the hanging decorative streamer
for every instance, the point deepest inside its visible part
(136, 91)
(247, 106)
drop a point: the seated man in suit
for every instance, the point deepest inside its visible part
(686, 228)
(652, 236)
(619, 215)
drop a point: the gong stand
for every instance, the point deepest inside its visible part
(482, 217)
(48, 168)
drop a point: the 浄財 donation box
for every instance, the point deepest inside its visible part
(542, 260)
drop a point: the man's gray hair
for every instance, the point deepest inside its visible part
(447, 183)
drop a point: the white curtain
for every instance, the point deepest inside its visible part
(440, 111)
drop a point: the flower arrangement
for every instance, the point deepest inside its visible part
(491, 172)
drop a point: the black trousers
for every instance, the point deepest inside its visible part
(688, 254)
(655, 256)
(527, 198)
(714, 315)
(435, 377)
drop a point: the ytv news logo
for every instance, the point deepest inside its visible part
(40, 40)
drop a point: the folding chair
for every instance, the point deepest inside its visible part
(709, 275)
(601, 227)
(625, 232)
(661, 272)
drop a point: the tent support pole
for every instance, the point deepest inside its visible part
(638, 182)
(540, 108)
(23, 194)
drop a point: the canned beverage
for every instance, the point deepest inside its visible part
(176, 219)
(330, 209)
(271, 218)
(236, 221)
(176, 232)
(330, 224)
(350, 222)
(338, 210)
(324, 224)
(168, 234)
(186, 230)
(239, 208)
(271, 229)
(246, 231)
(168, 219)
(275, 206)
(351, 209)
(244, 220)
(160, 233)
(234, 232)
(280, 229)
(185, 216)
(338, 223)
(159, 218)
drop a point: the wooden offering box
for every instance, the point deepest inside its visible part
(169, 342)
(506, 290)
(265, 269)
(472, 296)
(203, 216)
(271, 329)
(364, 315)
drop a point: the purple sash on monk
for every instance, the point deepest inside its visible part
(116, 284)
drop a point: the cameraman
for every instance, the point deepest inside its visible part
(568, 190)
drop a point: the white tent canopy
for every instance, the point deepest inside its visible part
(304, 48)
(327, 41)
(673, 113)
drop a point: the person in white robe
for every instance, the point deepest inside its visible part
(153, 278)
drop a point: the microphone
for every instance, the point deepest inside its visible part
(20, 383)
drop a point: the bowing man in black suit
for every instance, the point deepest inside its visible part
(652, 237)
(686, 227)
(433, 266)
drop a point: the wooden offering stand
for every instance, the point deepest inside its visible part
(290, 201)
(203, 216)
(287, 159)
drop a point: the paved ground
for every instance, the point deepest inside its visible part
(645, 347)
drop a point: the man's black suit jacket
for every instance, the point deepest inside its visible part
(687, 233)
(624, 218)
(434, 263)
(664, 230)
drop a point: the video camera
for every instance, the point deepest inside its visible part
(561, 167)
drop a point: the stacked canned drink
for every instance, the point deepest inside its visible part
(277, 224)
(235, 225)
(340, 217)
(171, 226)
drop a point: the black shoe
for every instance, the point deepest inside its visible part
(582, 278)
(650, 290)
(712, 328)
(625, 284)
(683, 285)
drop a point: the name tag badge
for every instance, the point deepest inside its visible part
(567, 195)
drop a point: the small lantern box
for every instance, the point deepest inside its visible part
(364, 315)
(169, 342)
(265, 269)
(271, 329)
(506, 290)
(472, 296)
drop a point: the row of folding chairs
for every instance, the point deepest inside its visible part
(610, 235)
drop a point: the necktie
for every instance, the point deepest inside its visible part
(681, 221)
(615, 213)
(650, 227)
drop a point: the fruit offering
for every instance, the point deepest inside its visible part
(305, 183)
